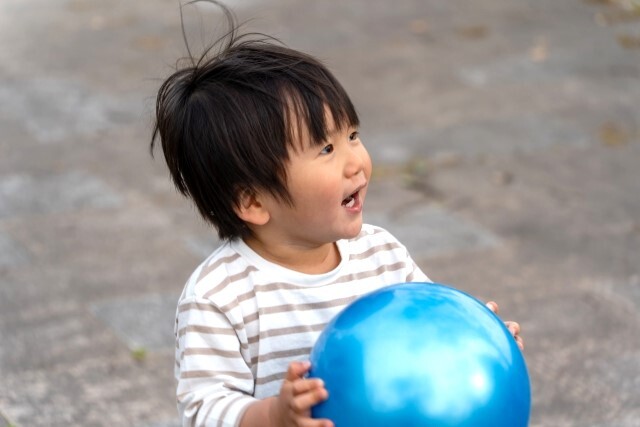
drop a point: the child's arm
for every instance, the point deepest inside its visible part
(215, 383)
(292, 407)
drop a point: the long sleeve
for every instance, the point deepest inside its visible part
(215, 382)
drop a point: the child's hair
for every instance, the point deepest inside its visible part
(227, 121)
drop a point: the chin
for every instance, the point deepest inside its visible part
(353, 231)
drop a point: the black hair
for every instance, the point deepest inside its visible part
(226, 120)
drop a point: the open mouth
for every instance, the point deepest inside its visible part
(350, 201)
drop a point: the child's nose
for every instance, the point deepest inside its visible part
(356, 161)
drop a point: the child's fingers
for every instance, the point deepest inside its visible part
(514, 327)
(303, 402)
(296, 370)
(306, 385)
(493, 306)
(310, 422)
(520, 342)
(308, 393)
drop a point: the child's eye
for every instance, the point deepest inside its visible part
(328, 149)
(354, 135)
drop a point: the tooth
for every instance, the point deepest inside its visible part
(351, 202)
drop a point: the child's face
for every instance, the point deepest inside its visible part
(328, 184)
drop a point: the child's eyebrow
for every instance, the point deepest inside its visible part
(335, 130)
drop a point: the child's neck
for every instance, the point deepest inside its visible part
(309, 260)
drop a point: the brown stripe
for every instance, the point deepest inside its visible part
(234, 387)
(198, 306)
(251, 318)
(206, 415)
(281, 355)
(387, 247)
(228, 403)
(208, 374)
(306, 306)
(285, 331)
(371, 273)
(206, 351)
(230, 279)
(228, 307)
(209, 268)
(213, 309)
(277, 286)
(205, 330)
(291, 330)
(270, 378)
(243, 346)
(246, 296)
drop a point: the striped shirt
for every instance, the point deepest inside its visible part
(241, 319)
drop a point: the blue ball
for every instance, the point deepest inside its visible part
(420, 354)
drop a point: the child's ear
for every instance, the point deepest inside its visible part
(251, 209)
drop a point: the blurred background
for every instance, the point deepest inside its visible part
(505, 136)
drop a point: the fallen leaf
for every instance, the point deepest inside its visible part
(612, 135)
(540, 51)
(628, 41)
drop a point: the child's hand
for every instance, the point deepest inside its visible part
(292, 408)
(514, 327)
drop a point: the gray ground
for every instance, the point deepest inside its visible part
(506, 140)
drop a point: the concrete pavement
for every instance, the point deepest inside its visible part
(506, 142)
